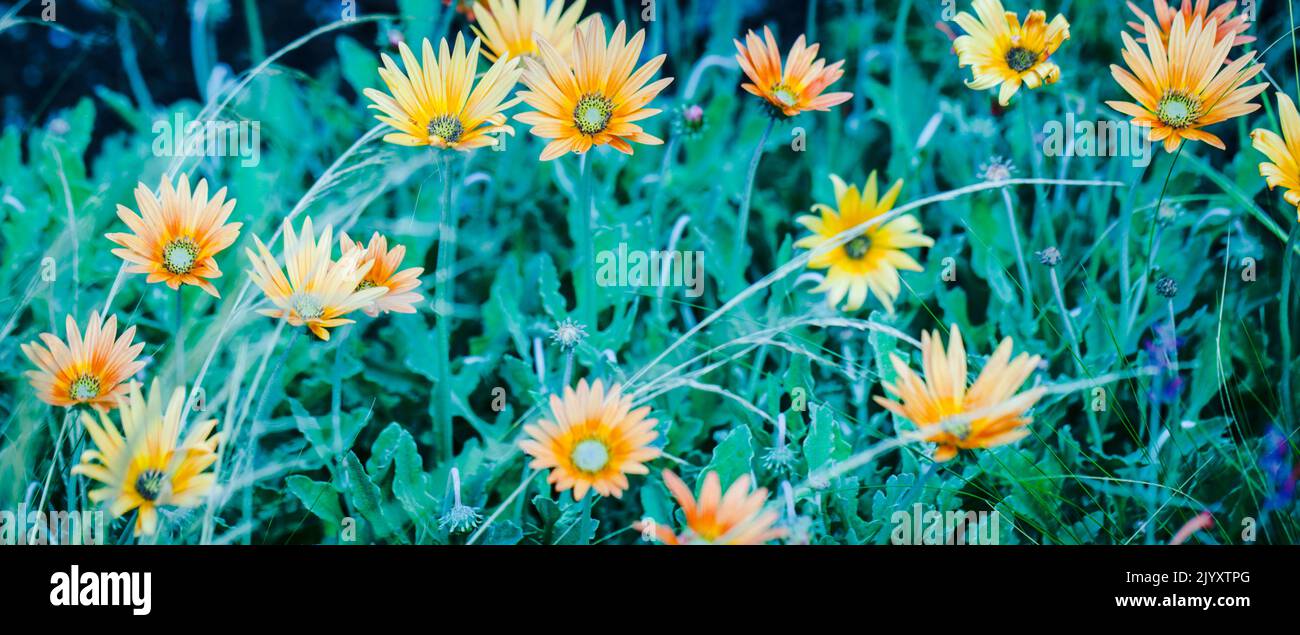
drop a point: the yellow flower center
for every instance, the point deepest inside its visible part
(84, 388)
(784, 94)
(1021, 59)
(149, 484)
(858, 248)
(307, 306)
(590, 456)
(1178, 110)
(180, 255)
(447, 128)
(592, 114)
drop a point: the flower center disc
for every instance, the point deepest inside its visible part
(306, 306)
(365, 284)
(149, 484)
(447, 128)
(592, 114)
(84, 388)
(785, 95)
(858, 247)
(590, 456)
(1021, 59)
(180, 255)
(1177, 110)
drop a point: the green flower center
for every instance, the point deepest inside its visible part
(858, 247)
(307, 306)
(592, 114)
(149, 484)
(590, 456)
(784, 94)
(365, 284)
(1178, 110)
(447, 128)
(84, 388)
(180, 256)
(1021, 59)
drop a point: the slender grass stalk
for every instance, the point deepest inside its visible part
(1094, 427)
(1286, 326)
(1025, 288)
(443, 303)
(742, 228)
(584, 271)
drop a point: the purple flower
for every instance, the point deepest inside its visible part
(1162, 353)
(1275, 462)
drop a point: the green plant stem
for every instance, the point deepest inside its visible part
(1139, 296)
(585, 272)
(1025, 289)
(1284, 315)
(742, 229)
(443, 303)
(1094, 428)
(179, 332)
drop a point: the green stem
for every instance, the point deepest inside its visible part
(1288, 266)
(749, 189)
(585, 271)
(1025, 289)
(443, 303)
(179, 332)
(1140, 296)
(1076, 349)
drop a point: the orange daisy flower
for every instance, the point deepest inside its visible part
(594, 99)
(1233, 28)
(594, 442)
(173, 240)
(798, 85)
(944, 394)
(383, 273)
(1184, 85)
(734, 518)
(88, 369)
(319, 290)
(513, 27)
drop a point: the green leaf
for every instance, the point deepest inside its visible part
(364, 495)
(733, 457)
(319, 498)
(360, 64)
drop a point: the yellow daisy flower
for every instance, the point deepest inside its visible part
(595, 440)
(1284, 170)
(511, 27)
(173, 240)
(868, 264)
(1183, 86)
(1233, 28)
(595, 98)
(734, 518)
(87, 369)
(318, 291)
(399, 285)
(797, 86)
(943, 393)
(1003, 52)
(438, 104)
(146, 465)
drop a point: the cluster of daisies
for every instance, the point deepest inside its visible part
(585, 88)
